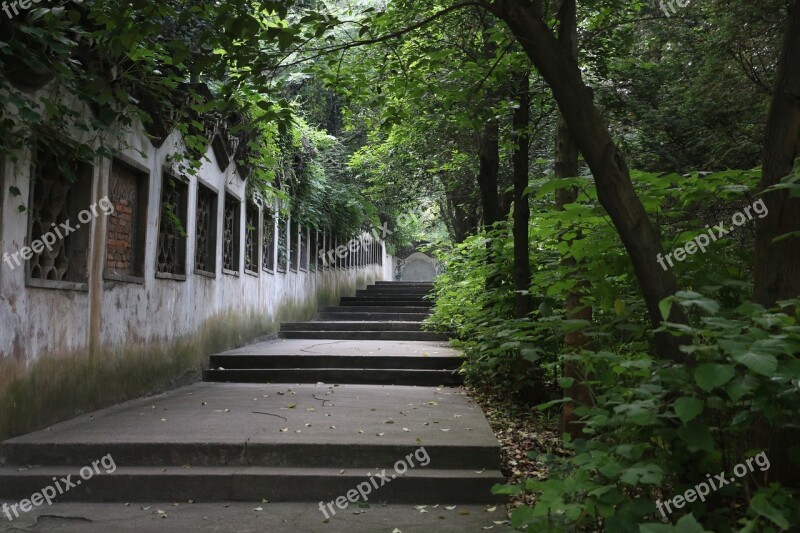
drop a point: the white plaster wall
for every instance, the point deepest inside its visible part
(34, 321)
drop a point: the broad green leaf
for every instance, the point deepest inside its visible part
(760, 363)
(761, 506)
(712, 375)
(688, 407)
(665, 306)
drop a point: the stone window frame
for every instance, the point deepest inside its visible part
(294, 247)
(313, 249)
(236, 238)
(90, 169)
(268, 212)
(214, 231)
(303, 244)
(324, 248)
(143, 211)
(182, 181)
(249, 206)
(282, 260)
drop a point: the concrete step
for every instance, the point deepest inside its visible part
(243, 454)
(366, 335)
(391, 294)
(372, 289)
(350, 315)
(262, 362)
(384, 302)
(357, 376)
(425, 284)
(379, 309)
(420, 485)
(340, 325)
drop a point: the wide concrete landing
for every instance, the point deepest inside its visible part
(300, 347)
(257, 517)
(319, 414)
(244, 442)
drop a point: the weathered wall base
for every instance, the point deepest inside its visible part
(57, 387)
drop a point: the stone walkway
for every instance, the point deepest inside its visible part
(262, 456)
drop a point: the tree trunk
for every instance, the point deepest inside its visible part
(522, 210)
(614, 186)
(777, 272)
(567, 166)
(461, 222)
(489, 154)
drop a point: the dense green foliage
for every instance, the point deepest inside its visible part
(657, 428)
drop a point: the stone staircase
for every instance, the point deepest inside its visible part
(301, 420)
(376, 338)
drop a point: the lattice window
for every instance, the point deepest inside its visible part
(314, 248)
(268, 244)
(322, 253)
(171, 253)
(282, 246)
(251, 238)
(127, 224)
(61, 191)
(231, 235)
(294, 250)
(303, 252)
(205, 259)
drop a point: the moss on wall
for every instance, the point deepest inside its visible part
(57, 387)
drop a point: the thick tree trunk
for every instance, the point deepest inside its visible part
(567, 166)
(777, 275)
(612, 177)
(777, 272)
(522, 210)
(489, 155)
(461, 222)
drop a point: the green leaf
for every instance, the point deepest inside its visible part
(522, 516)
(712, 375)
(665, 306)
(531, 354)
(687, 408)
(649, 474)
(690, 298)
(566, 383)
(507, 489)
(687, 524)
(760, 363)
(14, 191)
(761, 506)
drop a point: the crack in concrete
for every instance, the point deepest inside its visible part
(321, 344)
